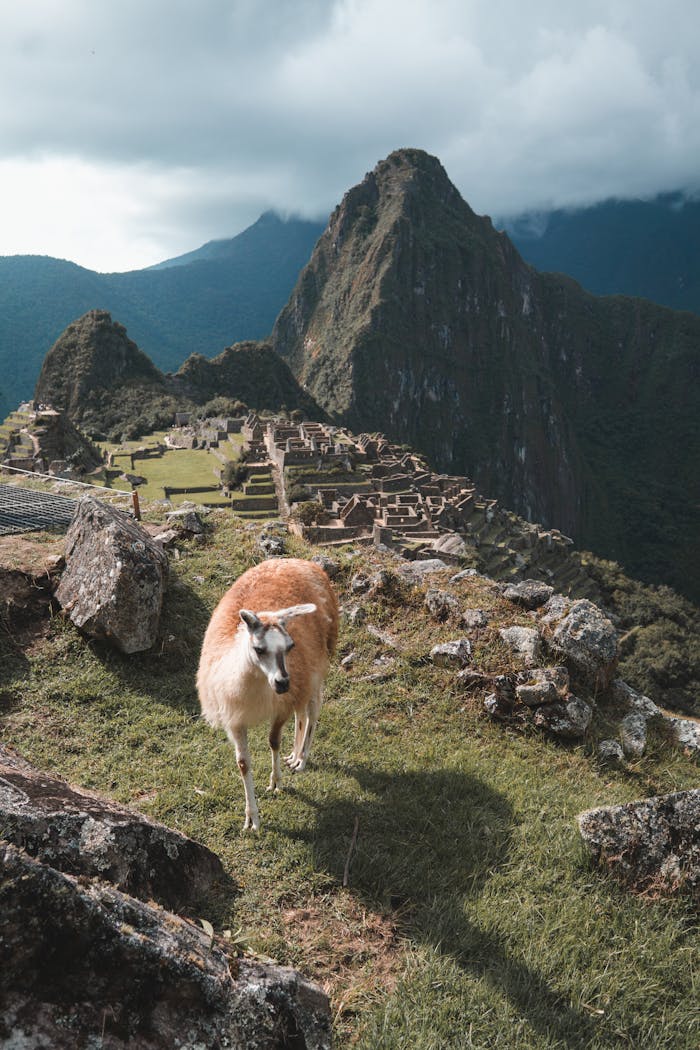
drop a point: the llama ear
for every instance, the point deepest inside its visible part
(282, 615)
(250, 620)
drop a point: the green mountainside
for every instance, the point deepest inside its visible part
(225, 292)
(106, 384)
(417, 317)
(632, 247)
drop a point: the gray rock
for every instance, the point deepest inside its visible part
(452, 545)
(569, 719)
(347, 662)
(81, 833)
(529, 593)
(474, 618)
(584, 637)
(642, 705)
(523, 642)
(330, 567)
(359, 584)
(82, 965)
(633, 734)
(113, 584)
(441, 604)
(610, 753)
(650, 844)
(186, 520)
(685, 732)
(451, 654)
(385, 637)
(542, 685)
(166, 538)
(271, 545)
(465, 574)
(354, 614)
(416, 571)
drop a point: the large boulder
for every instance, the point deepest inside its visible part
(81, 833)
(653, 844)
(83, 965)
(583, 636)
(114, 581)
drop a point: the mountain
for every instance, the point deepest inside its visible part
(415, 316)
(223, 293)
(633, 247)
(100, 378)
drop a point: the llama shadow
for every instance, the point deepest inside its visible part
(426, 841)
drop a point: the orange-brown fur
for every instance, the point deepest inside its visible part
(233, 693)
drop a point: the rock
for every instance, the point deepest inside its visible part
(82, 965)
(474, 618)
(465, 574)
(354, 614)
(185, 519)
(330, 567)
(633, 734)
(113, 584)
(529, 593)
(624, 694)
(272, 546)
(441, 605)
(451, 545)
(451, 654)
(610, 753)
(133, 479)
(653, 844)
(359, 584)
(580, 633)
(166, 538)
(500, 703)
(81, 833)
(347, 662)
(569, 719)
(542, 685)
(523, 642)
(385, 637)
(685, 732)
(416, 571)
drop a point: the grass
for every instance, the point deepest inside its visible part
(470, 917)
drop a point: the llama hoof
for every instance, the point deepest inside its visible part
(251, 823)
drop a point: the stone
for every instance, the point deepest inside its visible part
(580, 633)
(624, 694)
(113, 584)
(685, 732)
(83, 964)
(474, 618)
(531, 594)
(441, 605)
(166, 538)
(542, 685)
(185, 519)
(451, 654)
(329, 566)
(523, 642)
(569, 719)
(385, 637)
(359, 584)
(348, 661)
(133, 479)
(610, 753)
(82, 833)
(416, 571)
(354, 614)
(465, 574)
(652, 844)
(451, 545)
(633, 734)
(271, 545)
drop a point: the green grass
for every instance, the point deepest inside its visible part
(471, 917)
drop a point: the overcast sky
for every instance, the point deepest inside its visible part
(135, 130)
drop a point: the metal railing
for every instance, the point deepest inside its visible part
(24, 509)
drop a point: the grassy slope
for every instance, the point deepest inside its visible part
(471, 918)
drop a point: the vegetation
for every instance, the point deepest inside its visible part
(470, 917)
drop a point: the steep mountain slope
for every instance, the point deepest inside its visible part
(415, 316)
(104, 382)
(224, 292)
(646, 248)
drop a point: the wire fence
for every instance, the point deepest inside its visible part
(31, 509)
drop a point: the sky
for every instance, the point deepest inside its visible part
(132, 131)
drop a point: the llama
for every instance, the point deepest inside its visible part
(265, 656)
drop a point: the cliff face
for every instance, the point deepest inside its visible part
(416, 317)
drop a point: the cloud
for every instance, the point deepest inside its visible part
(172, 123)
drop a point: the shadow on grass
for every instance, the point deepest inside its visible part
(14, 666)
(428, 841)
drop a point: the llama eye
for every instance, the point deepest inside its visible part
(260, 649)
(290, 646)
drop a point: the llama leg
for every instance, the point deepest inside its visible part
(275, 739)
(299, 727)
(239, 738)
(302, 754)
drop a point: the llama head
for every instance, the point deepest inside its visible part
(269, 641)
